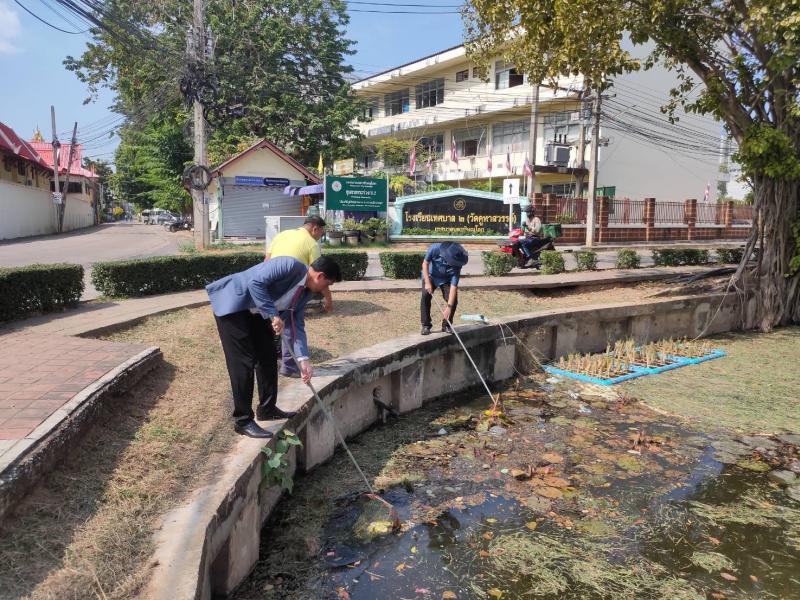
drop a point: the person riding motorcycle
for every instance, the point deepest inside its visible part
(532, 226)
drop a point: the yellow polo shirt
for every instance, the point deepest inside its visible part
(297, 243)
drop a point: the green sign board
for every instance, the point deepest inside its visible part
(356, 194)
(609, 191)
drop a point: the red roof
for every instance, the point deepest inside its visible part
(277, 151)
(10, 141)
(45, 149)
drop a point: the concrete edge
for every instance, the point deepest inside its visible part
(124, 324)
(208, 545)
(48, 444)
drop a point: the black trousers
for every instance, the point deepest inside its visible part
(425, 304)
(248, 344)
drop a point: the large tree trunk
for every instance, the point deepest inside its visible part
(775, 296)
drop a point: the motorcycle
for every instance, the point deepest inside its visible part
(536, 244)
(180, 224)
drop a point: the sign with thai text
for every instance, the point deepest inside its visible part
(343, 167)
(356, 194)
(260, 181)
(459, 211)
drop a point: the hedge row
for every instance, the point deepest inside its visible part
(39, 289)
(497, 263)
(676, 257)
(402, 265)
(165, 274)
(352, 263)
(730, 256)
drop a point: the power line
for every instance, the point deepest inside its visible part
(38, 18)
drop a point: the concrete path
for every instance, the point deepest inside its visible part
(111, 241)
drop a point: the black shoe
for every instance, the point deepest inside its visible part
(426, 330)
(252, 429)
(274, 414)
(290, 374)
(446, 327)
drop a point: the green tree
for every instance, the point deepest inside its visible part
(747, 56)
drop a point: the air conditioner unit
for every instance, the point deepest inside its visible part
(557, 154)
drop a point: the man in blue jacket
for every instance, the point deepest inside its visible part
(441, 269)
(250, 308)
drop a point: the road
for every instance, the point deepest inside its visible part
(111, 241)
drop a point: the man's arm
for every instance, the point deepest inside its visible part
(426, 276)
(262, 276)
(300, 344)
(451, 301)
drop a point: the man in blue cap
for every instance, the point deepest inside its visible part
(441, 269)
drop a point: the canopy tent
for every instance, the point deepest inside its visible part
(307, 190)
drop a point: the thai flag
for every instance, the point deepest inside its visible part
(527, 168)
(453, 151)
(412, 161)
(489, 161)
(508, 162)
(708, 189)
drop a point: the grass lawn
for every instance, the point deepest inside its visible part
(86, 531)
(756, 388)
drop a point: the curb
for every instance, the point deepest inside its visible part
(42, 449)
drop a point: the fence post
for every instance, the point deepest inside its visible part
(550, 208)
(602, 219)
(649, 218)
(690, 216)
(728, 216)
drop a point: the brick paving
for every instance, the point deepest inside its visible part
(40, 373)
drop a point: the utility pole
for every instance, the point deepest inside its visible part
(202, 233)
(532, 141)
(63, 207)
(593, 169)
(56, 147)
(580, 161)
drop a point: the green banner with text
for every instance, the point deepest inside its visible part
(356, 194)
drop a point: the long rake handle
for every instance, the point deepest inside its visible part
(469, 356)
(329, 416)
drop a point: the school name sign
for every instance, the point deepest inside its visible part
(354, 194)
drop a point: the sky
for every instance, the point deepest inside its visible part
(33, 77)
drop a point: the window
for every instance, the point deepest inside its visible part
(431, 144)
(511, 137)
(475, 72)
(371, 109)
(470, 142)
(430, 93)
(396, 103)
(561, 126)
(462, 75)
(22, 168)
(559, 189)
(75, 187)
(506, 76)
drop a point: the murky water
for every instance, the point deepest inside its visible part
(570, 497)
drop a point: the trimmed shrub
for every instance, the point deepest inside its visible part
(352, 263)
(729, 256)
(587, 260)
(39, 289)
(164, 274)
(627, 259)
(402, 265)
(552, 262)
(497, 263)
(675, 257)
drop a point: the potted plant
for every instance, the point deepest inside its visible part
(351, 231)
(334, 235)
(378, 228)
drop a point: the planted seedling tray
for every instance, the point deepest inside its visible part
(637, 370)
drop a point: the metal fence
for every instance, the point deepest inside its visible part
(669, 212)
(571, 210)
(742, 214)
(624, 211)
(710, 213)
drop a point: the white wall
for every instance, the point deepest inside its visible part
(25, 211)
(78, 213)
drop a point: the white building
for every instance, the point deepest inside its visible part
(441, 98)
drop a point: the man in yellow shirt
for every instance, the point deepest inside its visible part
(303, 244)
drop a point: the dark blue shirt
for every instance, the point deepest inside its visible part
(439, 271)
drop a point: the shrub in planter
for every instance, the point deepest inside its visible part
(627, 259)
(695, 256)
(497, 263)
(675, 257)
(164, 274)
(729, 256)
(666, 258)
(353, 263)
(402, 265)
(39, 289)
(552, 262)
(587, 260)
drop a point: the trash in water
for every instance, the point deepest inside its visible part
(553, 380)
(584, 410)
(442, 431)
(497, 430)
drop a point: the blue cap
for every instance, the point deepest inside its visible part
(453, 254)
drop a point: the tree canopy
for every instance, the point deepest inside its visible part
(745, 55)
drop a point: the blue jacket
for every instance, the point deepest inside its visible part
(257, 288)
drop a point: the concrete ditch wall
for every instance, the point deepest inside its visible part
(207, 546)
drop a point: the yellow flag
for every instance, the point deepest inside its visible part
(320, 166)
